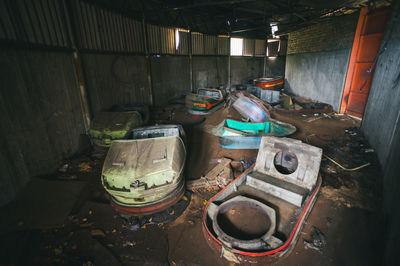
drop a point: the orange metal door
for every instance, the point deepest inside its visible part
(367, 41)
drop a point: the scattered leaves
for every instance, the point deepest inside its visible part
(84, 167)
(129, 244)
(58, 251)
(97, 232)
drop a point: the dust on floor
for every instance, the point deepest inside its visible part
(347, 210)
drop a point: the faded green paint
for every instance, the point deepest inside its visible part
(144, 171)
(109, 126)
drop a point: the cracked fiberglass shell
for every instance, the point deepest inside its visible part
(144, 172)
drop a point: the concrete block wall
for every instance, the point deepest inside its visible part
(317, 59)
(332, 34)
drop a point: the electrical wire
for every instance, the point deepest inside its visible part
(344, 168)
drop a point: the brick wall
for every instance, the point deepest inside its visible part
(332, 34)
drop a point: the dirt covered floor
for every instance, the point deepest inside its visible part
(343, 228)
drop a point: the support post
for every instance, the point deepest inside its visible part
(229, 62)
(84, 101)
(148, 63)
(265, 59)
(191, 61)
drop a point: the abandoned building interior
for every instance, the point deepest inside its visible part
(225, 132)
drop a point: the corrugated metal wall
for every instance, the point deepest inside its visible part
(40, 100)
(96, 29)
(260, 47)
(183, 48)
(115, 79)
(210, 44)
(37, 22)
(203, 44)
(103, 30)
(197, 43)
(41, 117)
(154, 39)
(248, 47)
(223, 46)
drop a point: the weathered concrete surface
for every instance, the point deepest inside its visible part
(210, 71)
(170, 77)
(41, 118)
(245, 69)
(381, 125)
(115, 79)
(319, 76)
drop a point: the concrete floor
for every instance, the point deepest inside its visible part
(347, 210)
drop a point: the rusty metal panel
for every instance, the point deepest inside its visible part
(222, 45)
(210, 44)
(248, 47)
(197, 43)
(259, 48)
(38, 22)
(183, 47)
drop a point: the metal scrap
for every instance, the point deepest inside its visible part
(221, 175)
